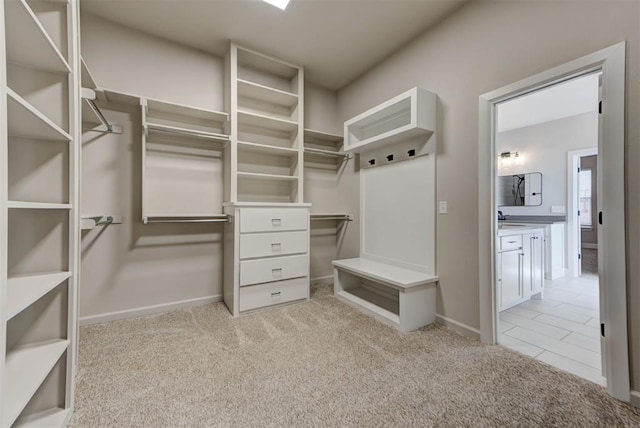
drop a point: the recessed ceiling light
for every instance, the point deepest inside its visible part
(282, 4)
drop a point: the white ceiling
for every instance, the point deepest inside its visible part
(336, 40)
(566, 99)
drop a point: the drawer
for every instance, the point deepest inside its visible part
(512, 242)
(273, 293)
(273, 269)
(273, 219)
(273, 244)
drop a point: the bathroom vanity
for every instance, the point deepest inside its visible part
(519, 264)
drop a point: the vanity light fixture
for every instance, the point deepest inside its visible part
(508, 159)
(281, 4)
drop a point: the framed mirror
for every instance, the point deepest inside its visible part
(519, 190)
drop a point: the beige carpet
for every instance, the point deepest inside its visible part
(318, 364)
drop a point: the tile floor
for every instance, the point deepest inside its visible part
(563, 329)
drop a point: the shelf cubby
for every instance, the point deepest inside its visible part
(28, 122)
(254, 97)
(263, 70)
(24, 290)
(268, 188)
(258, 120)
(26, 367)
(28, 43)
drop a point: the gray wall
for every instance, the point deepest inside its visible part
(544, 149)
(131, 266)
(481, 47)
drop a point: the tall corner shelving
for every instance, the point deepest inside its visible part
(39, 211)
(265, 98)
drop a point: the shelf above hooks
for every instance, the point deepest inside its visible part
(321, 152)
(91, 221)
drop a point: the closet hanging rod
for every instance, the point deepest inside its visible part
(89, 95)
(321, 152)
(222, 218)
(188, 132)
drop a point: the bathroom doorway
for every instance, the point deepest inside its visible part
(611, 223)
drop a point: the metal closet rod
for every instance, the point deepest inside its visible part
(328, 153)
(98, 113)
(345, 217)
(208, 219)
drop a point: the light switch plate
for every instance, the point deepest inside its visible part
(558, 209)
(443, 207)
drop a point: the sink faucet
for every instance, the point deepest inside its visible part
(501, 217)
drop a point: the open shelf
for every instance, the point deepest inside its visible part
(187, 132)
(266, 149)
(37, 205)
(56, 417)
(24, 120)
(266, 94)
(409, 116)
(157, 108)
(270, 177)
(26, 368)
(86, 78)
(322, 140)
(24, 290)
(28, 43)
(268, 122)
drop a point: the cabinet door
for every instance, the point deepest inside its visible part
(510, 278)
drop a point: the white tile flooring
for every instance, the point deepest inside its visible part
(563, 329)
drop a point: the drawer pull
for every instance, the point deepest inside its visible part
(276, 246)
(276, 222)
(275, 297)
(276, 271)
(512, 242)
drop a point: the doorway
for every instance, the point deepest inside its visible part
(543, 311)
(611, 225)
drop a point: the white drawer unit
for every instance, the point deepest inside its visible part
(273, 244)
(266, 255)
(512, 242)
(273, 269)
(273, 293)
(273, 219)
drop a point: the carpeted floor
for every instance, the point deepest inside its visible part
(589, 260)
(319, 363)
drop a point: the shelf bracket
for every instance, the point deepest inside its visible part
(90, 222)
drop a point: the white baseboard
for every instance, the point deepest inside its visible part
(635, 398)
(148, 310)
(589, 245)
(458, 326)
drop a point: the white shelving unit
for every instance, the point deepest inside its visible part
(265, 98)
(182, 164)
(38, 277)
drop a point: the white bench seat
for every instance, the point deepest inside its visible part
(400, 297)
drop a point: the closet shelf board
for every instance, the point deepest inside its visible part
(272, 177)
(174, 109)
(28, 43)
(24, 120)
(397, 277)
(49, 418)
(248, 58)
(24, 290)
(262, 121)
(26, 368)
(261, 148)
(37, 205)
(266, 94)
(313, 151)
(189, 132)
(310, 134)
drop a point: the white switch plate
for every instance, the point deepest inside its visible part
(558, 209)
(443, 207)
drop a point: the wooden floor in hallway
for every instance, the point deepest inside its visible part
(563, 329)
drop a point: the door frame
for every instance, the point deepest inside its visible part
(573, 222)
(611, 62)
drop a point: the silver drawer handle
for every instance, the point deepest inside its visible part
(276, 222)
(276, 271)
(276, 295)
(511, 242)
(276, 246)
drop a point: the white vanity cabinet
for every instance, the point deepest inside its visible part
(519, 265)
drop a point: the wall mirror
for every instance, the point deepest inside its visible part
(519, 190)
